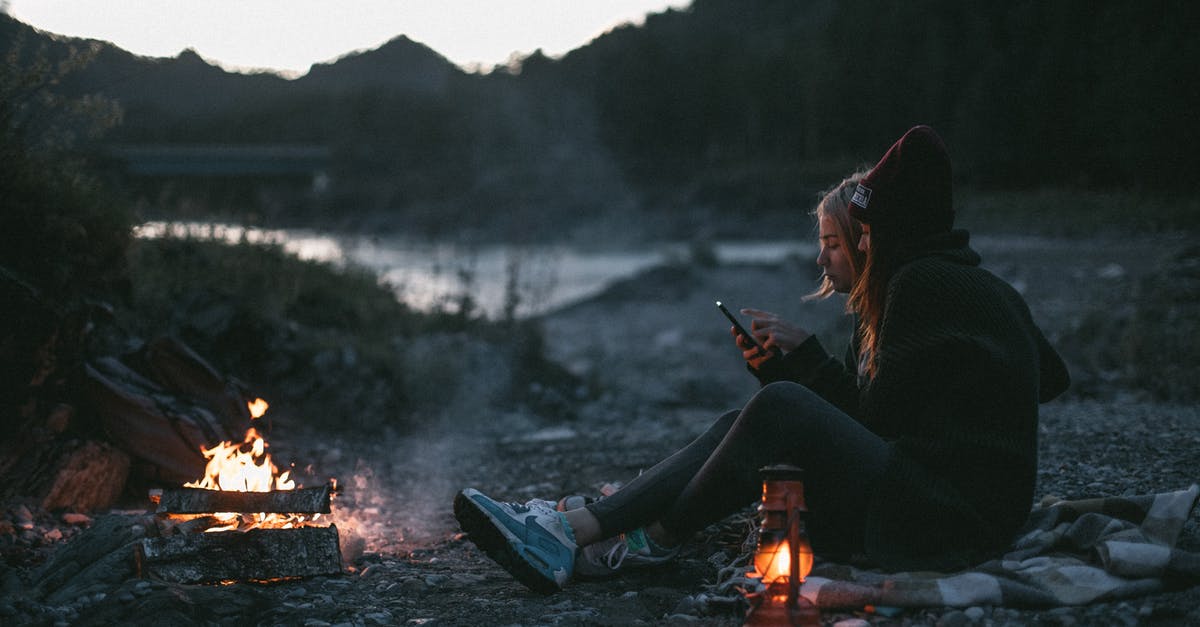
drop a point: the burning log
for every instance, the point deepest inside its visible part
(202, 501)
(258, 554)
(253, 518)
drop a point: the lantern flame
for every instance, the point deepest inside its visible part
(773, 565)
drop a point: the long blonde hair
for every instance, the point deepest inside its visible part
(869, 293)
(833, 205)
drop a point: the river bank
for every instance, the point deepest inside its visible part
(658, 352)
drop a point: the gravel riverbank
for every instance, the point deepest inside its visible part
(655, 365)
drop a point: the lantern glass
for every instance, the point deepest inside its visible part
(783, 511)
(772, 560)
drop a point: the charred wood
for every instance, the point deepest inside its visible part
(259, 554)
(200, 501)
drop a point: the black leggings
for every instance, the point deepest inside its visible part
(717, 474)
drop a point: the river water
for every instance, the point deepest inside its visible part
(528, 279)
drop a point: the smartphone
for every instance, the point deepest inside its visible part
(741, 329)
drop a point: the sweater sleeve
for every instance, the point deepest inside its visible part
(813, 367)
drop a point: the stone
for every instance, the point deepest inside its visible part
(953, 618)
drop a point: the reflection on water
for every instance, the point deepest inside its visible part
(303, 243)
(524, 280)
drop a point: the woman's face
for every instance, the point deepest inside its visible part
(834, 257)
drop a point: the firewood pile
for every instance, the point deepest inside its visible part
(81, 431)
(203, 549)
(143, 416)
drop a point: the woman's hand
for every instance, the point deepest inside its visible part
(776, 334)
(753, 355)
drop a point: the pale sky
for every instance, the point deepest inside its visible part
(291, 35)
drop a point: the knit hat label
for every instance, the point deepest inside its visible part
(862, 196)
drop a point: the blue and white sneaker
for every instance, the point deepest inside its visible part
(531, 541)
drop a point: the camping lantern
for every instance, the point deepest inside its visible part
(783, 557)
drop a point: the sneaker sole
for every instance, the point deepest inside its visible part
(490, 535)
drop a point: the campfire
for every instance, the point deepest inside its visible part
(243, 520)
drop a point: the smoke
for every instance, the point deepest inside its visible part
(398, 496)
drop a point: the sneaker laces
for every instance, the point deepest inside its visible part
(616, 554)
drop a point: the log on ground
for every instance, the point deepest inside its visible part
(200, 501)
(259, 554)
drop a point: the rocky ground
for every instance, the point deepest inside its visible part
(655, 366)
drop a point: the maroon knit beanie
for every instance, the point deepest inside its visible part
(908, 193)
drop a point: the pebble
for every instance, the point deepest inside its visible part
(436, 580)
(852, 622)
(1064, 615)
(413, 585)
(379, 618)
(581, 616)
(689, 605)
(72, 518)
(976, 614)
(953, 618)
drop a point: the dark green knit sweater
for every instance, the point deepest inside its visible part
(961, 370)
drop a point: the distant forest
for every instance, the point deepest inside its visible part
(728, 106)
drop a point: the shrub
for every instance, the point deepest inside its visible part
(328, 344)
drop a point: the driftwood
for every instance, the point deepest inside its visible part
(150, 422)
(95, 561)
(259, 554)
(90, 478)
(178, 368)
(63, 473)
(200, 501)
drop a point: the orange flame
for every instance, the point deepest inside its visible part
(258, 407)
(773, 564)
(246, 467)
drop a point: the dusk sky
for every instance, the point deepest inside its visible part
(290, 35)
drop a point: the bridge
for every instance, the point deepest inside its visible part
(223, 160)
